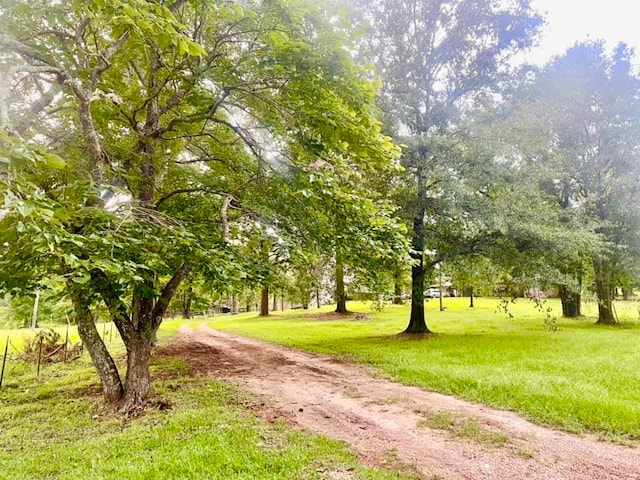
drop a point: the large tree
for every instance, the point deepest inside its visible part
(583, 111)
(135, 133)
(437, 60)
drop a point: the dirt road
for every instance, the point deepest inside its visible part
(385, 423)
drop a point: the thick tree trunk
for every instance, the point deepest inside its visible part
(604, 292)
(137, 385)
(417, 323)
(102, 360)
(570, 302)
(264, 302)
(341, 299)
(275, 303)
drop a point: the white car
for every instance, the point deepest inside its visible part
(432, 292)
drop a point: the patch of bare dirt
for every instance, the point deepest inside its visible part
(387, 424)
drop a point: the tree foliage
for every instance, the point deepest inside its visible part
(583, 110)
(142, 141)
(439, 61)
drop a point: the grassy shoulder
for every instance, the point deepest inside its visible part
(56, 426)
(580, 378)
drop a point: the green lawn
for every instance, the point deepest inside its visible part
(580, 378)
(56, 426)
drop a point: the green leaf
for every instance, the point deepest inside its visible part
(183, 47)
(80, 280)
(54, 161)
(196, 50)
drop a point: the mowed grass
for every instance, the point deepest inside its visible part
(56, 426)
(583, 377)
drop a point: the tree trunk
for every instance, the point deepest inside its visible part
(137, 385)
(627, 293)
(185, 300)
(397, 289)
(102, 360)
(234, 304)
(570, 302)
(604, 292)
(275, 303)
(264, 302)
(417, 323)
(318, 303)
(470, 297)
(341, 299)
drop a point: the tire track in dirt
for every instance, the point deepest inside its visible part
(388, 424)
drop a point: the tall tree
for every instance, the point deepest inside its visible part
(171, 118)
(587, 104)
(438, 58)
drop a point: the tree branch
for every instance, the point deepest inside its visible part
(188, 190)
(115, 305)
(167, 294)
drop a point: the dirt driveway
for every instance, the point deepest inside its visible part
(388, 424)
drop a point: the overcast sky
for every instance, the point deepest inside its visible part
(569, 21)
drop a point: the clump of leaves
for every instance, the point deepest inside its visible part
(47, 345)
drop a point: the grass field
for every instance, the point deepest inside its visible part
(580, 378)
(56, 426)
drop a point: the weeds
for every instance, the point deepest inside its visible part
(46, 346)
(463, 427)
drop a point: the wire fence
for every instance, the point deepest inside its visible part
(43, 352)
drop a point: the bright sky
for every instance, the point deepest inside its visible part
(569, 21)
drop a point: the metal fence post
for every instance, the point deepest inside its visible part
(39, 357)
(4, 361)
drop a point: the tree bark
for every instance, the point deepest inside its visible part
(397, 287)
(275, 303)
(185, 301)
(341, 299)
(470, 297)
(570, 302)
(102, 360)
(137, 330)
(137, 385)
(604, 292)
(234, 304)
(264, 302)
(417, 322)
(627, 293)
